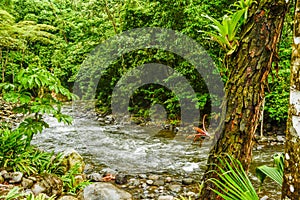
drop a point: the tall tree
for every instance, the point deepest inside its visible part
(291, 178)
(249, 67)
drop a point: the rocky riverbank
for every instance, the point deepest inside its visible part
(7, 115)
(103, 184)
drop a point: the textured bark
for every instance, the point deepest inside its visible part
(249, 68)
(291, 178)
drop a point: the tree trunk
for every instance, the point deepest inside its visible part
(291, 178)
(249, 67)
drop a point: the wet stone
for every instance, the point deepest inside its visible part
(187, 181)
(121, 179)
(159, 183)
(134, 182)
(144, 185)
(149, 182)
(32, 178)
(153, 177)
(165, 197)
(6, 175)
(94, 177)
(142, 176)
(151, 195)
(107, 171)
(190, 194)
(104, 191)
(175, 188)
(16, 177)
(68, 197)
(280, 138)
(27, 183)
(168, 179)
(3, 172)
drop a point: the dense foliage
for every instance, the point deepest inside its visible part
(58, 36)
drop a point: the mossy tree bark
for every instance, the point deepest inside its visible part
(249, 68)
(291, 178)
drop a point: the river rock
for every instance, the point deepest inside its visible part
(191, 194)
(5, 175)
(142, 176)
(159, 183)
(168, 179)
(71, 158)
(101, 119)
(175, 188)
(109, 119)
(48, 184)
(134, 182)
(96, 177)
(280, 138)
(165, 197)
(15, 177)
(121, 179)
(7, 114)
(264, 197)
(68, 197)
(26, 183)
(109, 171)
(187, 181)
(153, 177)
(104, 191)
(88, 168)
(149, 182)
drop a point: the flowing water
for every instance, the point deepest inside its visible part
(133, 149)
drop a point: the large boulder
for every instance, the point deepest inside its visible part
(70, 159)
(104, 191)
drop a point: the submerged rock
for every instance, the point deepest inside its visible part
(104, 191)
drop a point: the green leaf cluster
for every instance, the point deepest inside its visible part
(70, 184)
(17, 154)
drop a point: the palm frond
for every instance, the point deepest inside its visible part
(275, 173)
(232, 181)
